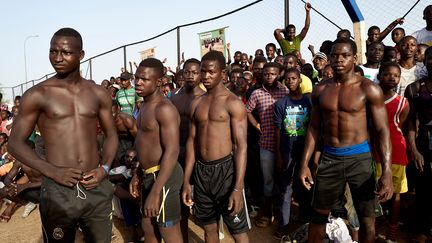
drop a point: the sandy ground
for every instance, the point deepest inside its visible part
(28, 230)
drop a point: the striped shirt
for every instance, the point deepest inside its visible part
(263, 101)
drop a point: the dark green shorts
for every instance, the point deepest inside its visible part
(170, 213)
(334, 172)
(62, 211)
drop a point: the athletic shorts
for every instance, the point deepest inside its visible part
(334, 171)
(63, 208)
(400, 182)
(214, 183)
(170, 213)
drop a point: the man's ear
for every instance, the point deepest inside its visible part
(82, 54)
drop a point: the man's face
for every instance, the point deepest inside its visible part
(105, 84)
(125, 83)
(408, 47)
(248, 77)
(289, 62)
(65, 54)
(17, 102)
(241, 85)
(342, 58)
(397, 35)
(211, 74)
(4, 115)
(130, 156)
(237, 57)
(389, 78)
(15, 111)
(259, 52)
(192, 75)
(375, 53)
(235, 76)
(373, 35)
(258, 69)
(270, 76)
(147, 81)
(290, 34)
(270, 52)
(327, 73)
(319, 63)
(244, 60)
(280, 60)
(292, 81)
(428, 62)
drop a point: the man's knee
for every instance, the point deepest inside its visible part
(319, 216)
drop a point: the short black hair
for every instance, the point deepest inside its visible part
(406, 38)
(293, 70)
(291, 55)
(237, 52)
(373, 27)
(273, 65)
(399, 28)
(215, 56)
(343, 32)
(192, 61)
(387, 65)
(290, 26)
(237, 70)
(69, 32)
(153, 63)
(18, 97)
(346, 41)
(271, 45)
(260, 59)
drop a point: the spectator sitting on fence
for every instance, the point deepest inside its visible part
(374, 34)
(292, 41)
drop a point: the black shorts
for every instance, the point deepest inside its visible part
(61, 211)
(334, 172)
(214, 183)
(170, 213)
(31, 195)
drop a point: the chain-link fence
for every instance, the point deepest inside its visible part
(248, 29)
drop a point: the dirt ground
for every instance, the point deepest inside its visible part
(28, 230)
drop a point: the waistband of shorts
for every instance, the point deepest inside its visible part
(151, 170)
(360, 148)
(216, 162)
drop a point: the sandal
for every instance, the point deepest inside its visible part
(262, 222)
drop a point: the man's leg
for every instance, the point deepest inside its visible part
(241, 238)
(317, 226)
(151, 233)
(367, 229)
(267, 160)
(211, 233)
(171, 234)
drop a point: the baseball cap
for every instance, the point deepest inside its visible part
(321, 55)
(125, 76)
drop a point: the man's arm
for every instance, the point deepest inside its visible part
(239, 134)
(278, 34)
(130, 124)
(312, 137)
(375, 102)
(30, 109)
(412, 128)
(12, 173)
(389, 28)
(169, 122)
(228, 47)
(189, 157)
(110, 145)
(278, 116)
(250, 106)
(307, 21)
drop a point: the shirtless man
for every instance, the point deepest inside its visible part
(339, 109)
(66, 108)
(182, 101)
(216, 155)
(126, 130)
(157, 144)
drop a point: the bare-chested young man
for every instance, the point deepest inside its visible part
(157, 145)
(126, 130)
(338, 114)
(183, 101)
(66, 109)
(216, 155)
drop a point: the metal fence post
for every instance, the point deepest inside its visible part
(178, 46)
(124, 58)
(91, 70)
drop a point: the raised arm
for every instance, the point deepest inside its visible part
(278, 34)
(239, 134)
(305, 29)
(169, 122)
(389, 28)
(375, 103)
(228, 47)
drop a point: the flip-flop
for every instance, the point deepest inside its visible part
(4, 218)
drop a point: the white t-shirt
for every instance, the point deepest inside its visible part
(370, 73)
(423, 36)
(409, 76)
